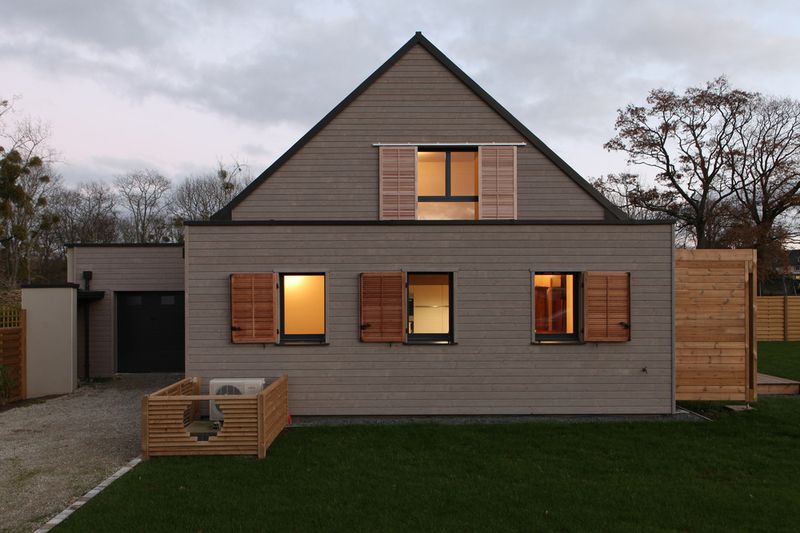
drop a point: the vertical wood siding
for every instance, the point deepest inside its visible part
(120, 269)
(494, 368)
(335, 175)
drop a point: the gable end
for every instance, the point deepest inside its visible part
(612, 212)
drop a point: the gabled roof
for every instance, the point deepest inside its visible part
(612, 211)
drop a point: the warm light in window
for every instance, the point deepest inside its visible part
(429, 303)
(304, 304)
(554, 309)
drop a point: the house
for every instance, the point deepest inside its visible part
(419, 251)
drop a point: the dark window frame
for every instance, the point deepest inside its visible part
(432, 338)
(577, 309)
(447, 172)
(302, 338)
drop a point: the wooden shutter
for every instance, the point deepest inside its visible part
(398, 183)
(497, 182)
(253, 307)
(606, 306)
(382, 306)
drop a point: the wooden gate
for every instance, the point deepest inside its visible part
(715, 344)
(12, 351)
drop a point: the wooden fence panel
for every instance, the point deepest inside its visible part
(13, 350)
(251, 421)
(714, 318)
(273, 413)
(778, 318)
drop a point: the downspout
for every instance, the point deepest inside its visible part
(87, 277)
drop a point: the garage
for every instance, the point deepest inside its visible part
(150, 332)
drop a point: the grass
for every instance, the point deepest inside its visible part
(780, 359)
(739, 472)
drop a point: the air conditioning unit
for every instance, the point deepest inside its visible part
(232, 386)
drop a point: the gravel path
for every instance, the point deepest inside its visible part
(55, 450)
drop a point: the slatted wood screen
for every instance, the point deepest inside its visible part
(497, 182)
(606, 306)
(254, 307)
(778, 318)
(382, 306)
(252, 422)
(13, 352)
(715, 349)
(398, 183)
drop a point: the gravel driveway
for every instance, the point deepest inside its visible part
(55, 450)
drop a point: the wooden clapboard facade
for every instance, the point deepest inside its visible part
(345, 202)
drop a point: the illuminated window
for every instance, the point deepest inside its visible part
(447, 184)
(555, 306)
(302, 299)
(430, 307)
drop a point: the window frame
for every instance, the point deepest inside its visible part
(448, 150)
(577, 305)
(301, 338)
(432, 338)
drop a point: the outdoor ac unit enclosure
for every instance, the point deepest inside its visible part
(232, 386)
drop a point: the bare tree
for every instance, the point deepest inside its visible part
(765, 174)
(142, 196)
(199, 197)
(86, 213)
(622, 190)
(686, 139)
(25, 184)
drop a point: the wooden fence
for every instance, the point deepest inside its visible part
(715, 348)
(12, 351)
(778, 318)
(251, 422)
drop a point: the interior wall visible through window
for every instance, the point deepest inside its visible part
(555, 306)
(447, 184)
(302, 307)
(429, 307)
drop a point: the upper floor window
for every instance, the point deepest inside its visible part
(469, 182)
(447, 184)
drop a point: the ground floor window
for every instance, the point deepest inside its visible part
(430, 307)
(555, 306)
(302, 298)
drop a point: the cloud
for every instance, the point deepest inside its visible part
(563, 69)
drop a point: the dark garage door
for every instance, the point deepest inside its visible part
(150, 332)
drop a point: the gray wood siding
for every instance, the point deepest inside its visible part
(116, 269)
(494, 368)
(335, 175)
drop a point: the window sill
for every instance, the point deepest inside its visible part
(545, 342)
(431, 343)
(303, 343)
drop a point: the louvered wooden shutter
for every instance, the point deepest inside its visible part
(398, 183)
(497, 182)
(382, 306)
(606, 306)
(253, 307)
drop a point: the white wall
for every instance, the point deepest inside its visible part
(52, 340)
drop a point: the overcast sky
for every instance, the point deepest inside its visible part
(178, 86)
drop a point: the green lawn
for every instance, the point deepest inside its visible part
(780, 359)
(739, 472)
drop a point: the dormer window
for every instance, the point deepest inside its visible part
(447, 184)
(465, 182)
